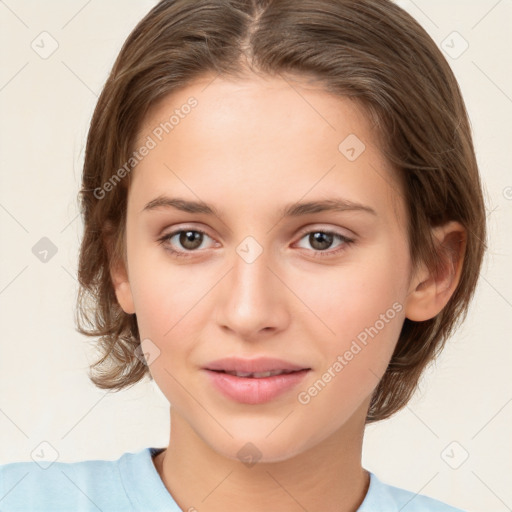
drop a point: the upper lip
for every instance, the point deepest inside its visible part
(256, 365)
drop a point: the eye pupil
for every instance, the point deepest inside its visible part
(188, 239)
(323, 239)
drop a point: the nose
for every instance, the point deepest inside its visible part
(252, 300)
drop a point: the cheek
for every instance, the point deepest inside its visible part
(164, 292)
(362, 306)
(350, 298)
(165, 298)
(353, 365)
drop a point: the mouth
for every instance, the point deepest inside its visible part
(254, 381)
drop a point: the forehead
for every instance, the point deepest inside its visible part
(261, 136)
(272, 107)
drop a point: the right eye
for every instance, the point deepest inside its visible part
(189, 239)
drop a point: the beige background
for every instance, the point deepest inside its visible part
(464, 406)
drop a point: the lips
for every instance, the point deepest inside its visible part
(254, 381)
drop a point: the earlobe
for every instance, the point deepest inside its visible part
(430, 291)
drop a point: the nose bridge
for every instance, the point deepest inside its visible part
(252, 301)
(251, 280)
(250, 273)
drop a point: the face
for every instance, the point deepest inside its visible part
(322, 289)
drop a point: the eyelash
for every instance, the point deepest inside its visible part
(316, 254)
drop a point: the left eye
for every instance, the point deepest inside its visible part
(323, 240)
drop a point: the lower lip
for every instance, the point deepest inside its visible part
(247, 390)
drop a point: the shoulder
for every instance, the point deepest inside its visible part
(58, 486)
(388, 498)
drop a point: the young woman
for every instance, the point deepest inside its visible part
(283, 223)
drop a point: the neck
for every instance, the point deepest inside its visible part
(327, 477)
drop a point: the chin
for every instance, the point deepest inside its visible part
(262, 449)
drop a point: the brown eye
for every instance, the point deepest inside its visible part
(190, 240)
(320, 240)
(183, 241)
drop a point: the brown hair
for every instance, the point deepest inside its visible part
(369, 50)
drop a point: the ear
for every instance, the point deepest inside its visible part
(122, 288)
(430, 292)
(119, 273)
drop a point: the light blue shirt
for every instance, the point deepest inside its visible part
(132, 483)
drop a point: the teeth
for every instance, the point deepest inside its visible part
(259, 375)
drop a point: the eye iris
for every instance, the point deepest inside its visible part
(324, 239)
(189, 239)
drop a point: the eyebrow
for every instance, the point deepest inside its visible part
(290, 210)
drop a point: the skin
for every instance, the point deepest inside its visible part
(250, 147)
